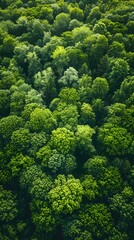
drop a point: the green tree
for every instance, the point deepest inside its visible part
(115, 140)
(42, 120)
(66, 115)
(111, 182)
(63, 140)
(9, 124)
(44, 82)
(87, 116)
(8, 205)
(19, 162)
(96, 166)
(97, 219)
(70, 78)
(20, 140)
(83, 137)
(100, 88)
(90, 187)
(123, 206)
(69, 95)
(61, 23)
(66, 195)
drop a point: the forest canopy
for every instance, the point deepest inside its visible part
(66, 120)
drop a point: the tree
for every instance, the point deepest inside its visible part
(8, 205)
(9, 124)
(90, 187)
(69, 95)
(119, 70)
(66, 115)
(115, 140)
(122, 205)
(60, 59)
(70, 78)
(110, 183)
(66, 195)
(20, 140)
(63, 140)
(85, 85)
(33, 96)
(17, 102)
(100, 88)
(19, 162)
(83, 137)
(87, 116)
(61, 23)
(42, 120)
(97, 219)
(44, 82)
(96, 166)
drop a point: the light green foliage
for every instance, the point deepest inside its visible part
(115, 140)
(85, 235)
(42, 120)
(61, 23)
(45, 83)
(19, 162)
(100, 88)
(66, 115)
(34, 96)
(28, 109)
(85, 84)
(90, 187)
(44, 220)
(100, 28)
(87, 116)
(69, 95)
(98, 219)
(8, 210)
(96, 166)
(74, 23)
(63, 140)
(34, 64)
(66, 195)
(60, 59)
(80, 33)
(70, 78)
(43, 155)
(83, 137)
(76, 13)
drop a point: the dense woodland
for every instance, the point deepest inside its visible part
(66, 120)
